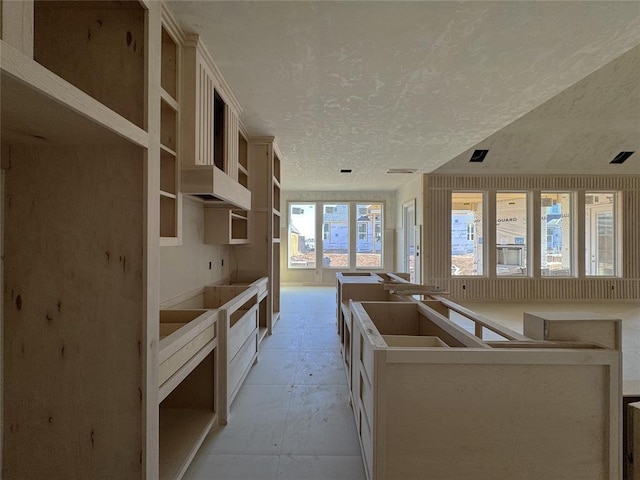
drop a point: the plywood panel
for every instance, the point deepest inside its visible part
(510, 421)
(97, 46)
(73, 313)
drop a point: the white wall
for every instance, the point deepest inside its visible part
(411, 190)
(186, 267)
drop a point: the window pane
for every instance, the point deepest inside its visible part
(555, 234)
(302, 235)
(335, 236)
(600, 237)
(369, 240)
(511, 234)
(466, 233)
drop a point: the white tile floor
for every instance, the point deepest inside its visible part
(292, 420)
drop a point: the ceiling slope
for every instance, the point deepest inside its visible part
(370, 86)
(579, 131)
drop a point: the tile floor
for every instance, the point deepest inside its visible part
(292, 420)
(510, 315)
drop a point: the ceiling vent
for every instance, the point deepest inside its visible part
(345, 170)
(478, 155)
(621, 157)
(402, 170)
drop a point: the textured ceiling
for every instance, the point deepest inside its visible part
(578, 131)
(378, 85)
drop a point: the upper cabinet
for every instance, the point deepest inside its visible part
(170, 98)
(85, 43)
(210, 132)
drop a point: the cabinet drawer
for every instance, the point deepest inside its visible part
(242, 361)
(241, 330)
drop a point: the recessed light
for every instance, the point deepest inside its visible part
(402, 170)
(478, 155)
(345, 170)
(621, 157)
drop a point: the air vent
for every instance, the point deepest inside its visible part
(478, 155)
(345, 170)
(402, 170)
(621, 157)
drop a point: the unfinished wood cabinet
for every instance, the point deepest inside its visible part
(360, 287)
(82, 42)
(223, 226)
(237, 309)
(188, 385)
(75, 302)
(426, 387)
(210, 131)
(261, 257)
(170, 195)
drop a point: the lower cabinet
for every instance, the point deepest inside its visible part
(432, 400)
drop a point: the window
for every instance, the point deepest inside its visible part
(352, 235)
(556, 234)
(466, 233)
(600, 234)
(335, 245)
(302, 228)
(362, 231)
(511, 234)
(369, 244)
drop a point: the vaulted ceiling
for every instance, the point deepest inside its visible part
(547, 87)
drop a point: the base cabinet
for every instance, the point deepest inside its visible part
(431, 398)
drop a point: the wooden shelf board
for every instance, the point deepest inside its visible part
(168, 150)
(182, 431)
(170, 241)
(168, 99)
(38, 107)
(167, 194)
(262, 332)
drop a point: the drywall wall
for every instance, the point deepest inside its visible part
(409, 192)
(186, 267)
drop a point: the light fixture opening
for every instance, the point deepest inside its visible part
(478, 156)
(621, 157)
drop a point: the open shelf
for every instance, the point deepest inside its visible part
(187, 415)
(81, 42)
(168, 171)
(243, 161)
(169, 127)
(169, 62)
(224, 226)
(182, 431)
(39, 106)
(276, 168)
(276, 226)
